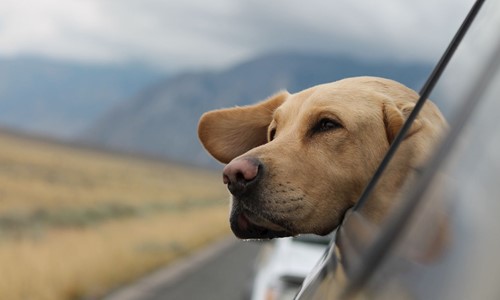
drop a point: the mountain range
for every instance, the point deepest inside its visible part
(162, 119)
(60, 99)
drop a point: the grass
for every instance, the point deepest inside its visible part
(76, 223)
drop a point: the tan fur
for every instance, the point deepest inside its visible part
(311, 179)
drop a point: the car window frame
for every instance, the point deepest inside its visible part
(389, 234)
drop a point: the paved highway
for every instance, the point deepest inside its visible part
(220, 271)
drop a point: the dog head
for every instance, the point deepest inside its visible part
(297, 162)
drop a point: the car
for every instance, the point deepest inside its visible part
(283, 264)
(443, 238)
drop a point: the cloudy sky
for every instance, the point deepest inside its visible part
(179, 34)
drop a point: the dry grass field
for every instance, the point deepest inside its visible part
(75, 223)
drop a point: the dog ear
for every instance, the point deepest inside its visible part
(395, 114)
(228, 133)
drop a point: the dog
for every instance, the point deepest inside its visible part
(297, 162)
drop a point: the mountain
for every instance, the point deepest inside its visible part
(162, 120)
(59, 98)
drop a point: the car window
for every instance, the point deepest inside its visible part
(427, 257)
(459, 211)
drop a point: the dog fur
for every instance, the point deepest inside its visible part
(305, 158)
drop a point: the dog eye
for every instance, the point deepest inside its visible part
(326, 124)
(272, 133)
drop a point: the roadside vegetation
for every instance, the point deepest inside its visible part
(76, 223)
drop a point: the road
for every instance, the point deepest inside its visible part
(220, 271)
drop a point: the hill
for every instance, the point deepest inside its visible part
(61, 98)
(162, 119)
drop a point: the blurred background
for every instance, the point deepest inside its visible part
(102, 178)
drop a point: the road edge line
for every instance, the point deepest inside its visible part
(172, 272)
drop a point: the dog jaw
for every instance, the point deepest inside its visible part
(247, 225)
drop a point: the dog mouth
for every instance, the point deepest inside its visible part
(247, 225)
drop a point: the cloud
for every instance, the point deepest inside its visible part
(197, 34)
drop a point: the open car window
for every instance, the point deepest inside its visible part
(450, 224)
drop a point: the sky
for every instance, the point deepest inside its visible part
(200, 34)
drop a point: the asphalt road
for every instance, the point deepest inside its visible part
(221, 271)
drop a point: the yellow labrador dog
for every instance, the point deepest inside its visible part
(297, 162)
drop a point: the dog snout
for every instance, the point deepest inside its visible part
(241, 174)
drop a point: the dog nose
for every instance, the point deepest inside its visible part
(239, 174)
